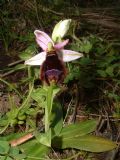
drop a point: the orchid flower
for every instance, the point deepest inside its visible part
(47, 44)
(51, 59)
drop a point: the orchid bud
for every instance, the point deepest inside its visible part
(60, 29)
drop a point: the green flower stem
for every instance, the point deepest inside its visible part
(29, 76)
(48, 108)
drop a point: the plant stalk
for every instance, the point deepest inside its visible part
(48, 107)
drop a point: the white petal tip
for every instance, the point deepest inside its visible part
(37, 60)
(69, 55)
(32, 63)
(36, 31)
(28, 62)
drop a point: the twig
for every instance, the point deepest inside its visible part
(14, 63)
(21, 140)
(104, 23)
(97, 116)
(36, 10)
(12, 71)
(73, 118)
(6, 74)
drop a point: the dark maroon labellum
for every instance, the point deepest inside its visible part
(53, 69)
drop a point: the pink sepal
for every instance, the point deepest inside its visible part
(42, 39)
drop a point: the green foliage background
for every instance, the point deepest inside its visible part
(94, 32)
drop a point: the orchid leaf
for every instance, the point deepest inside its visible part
(34, 150)
(57, 118)
(44, 138)
(76, 136)
(87, 143)
(79, 129)
(39, 95)
(4, 147)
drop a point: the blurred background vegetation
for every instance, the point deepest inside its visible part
(93, 82)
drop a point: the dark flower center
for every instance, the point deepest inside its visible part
(53, 69)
